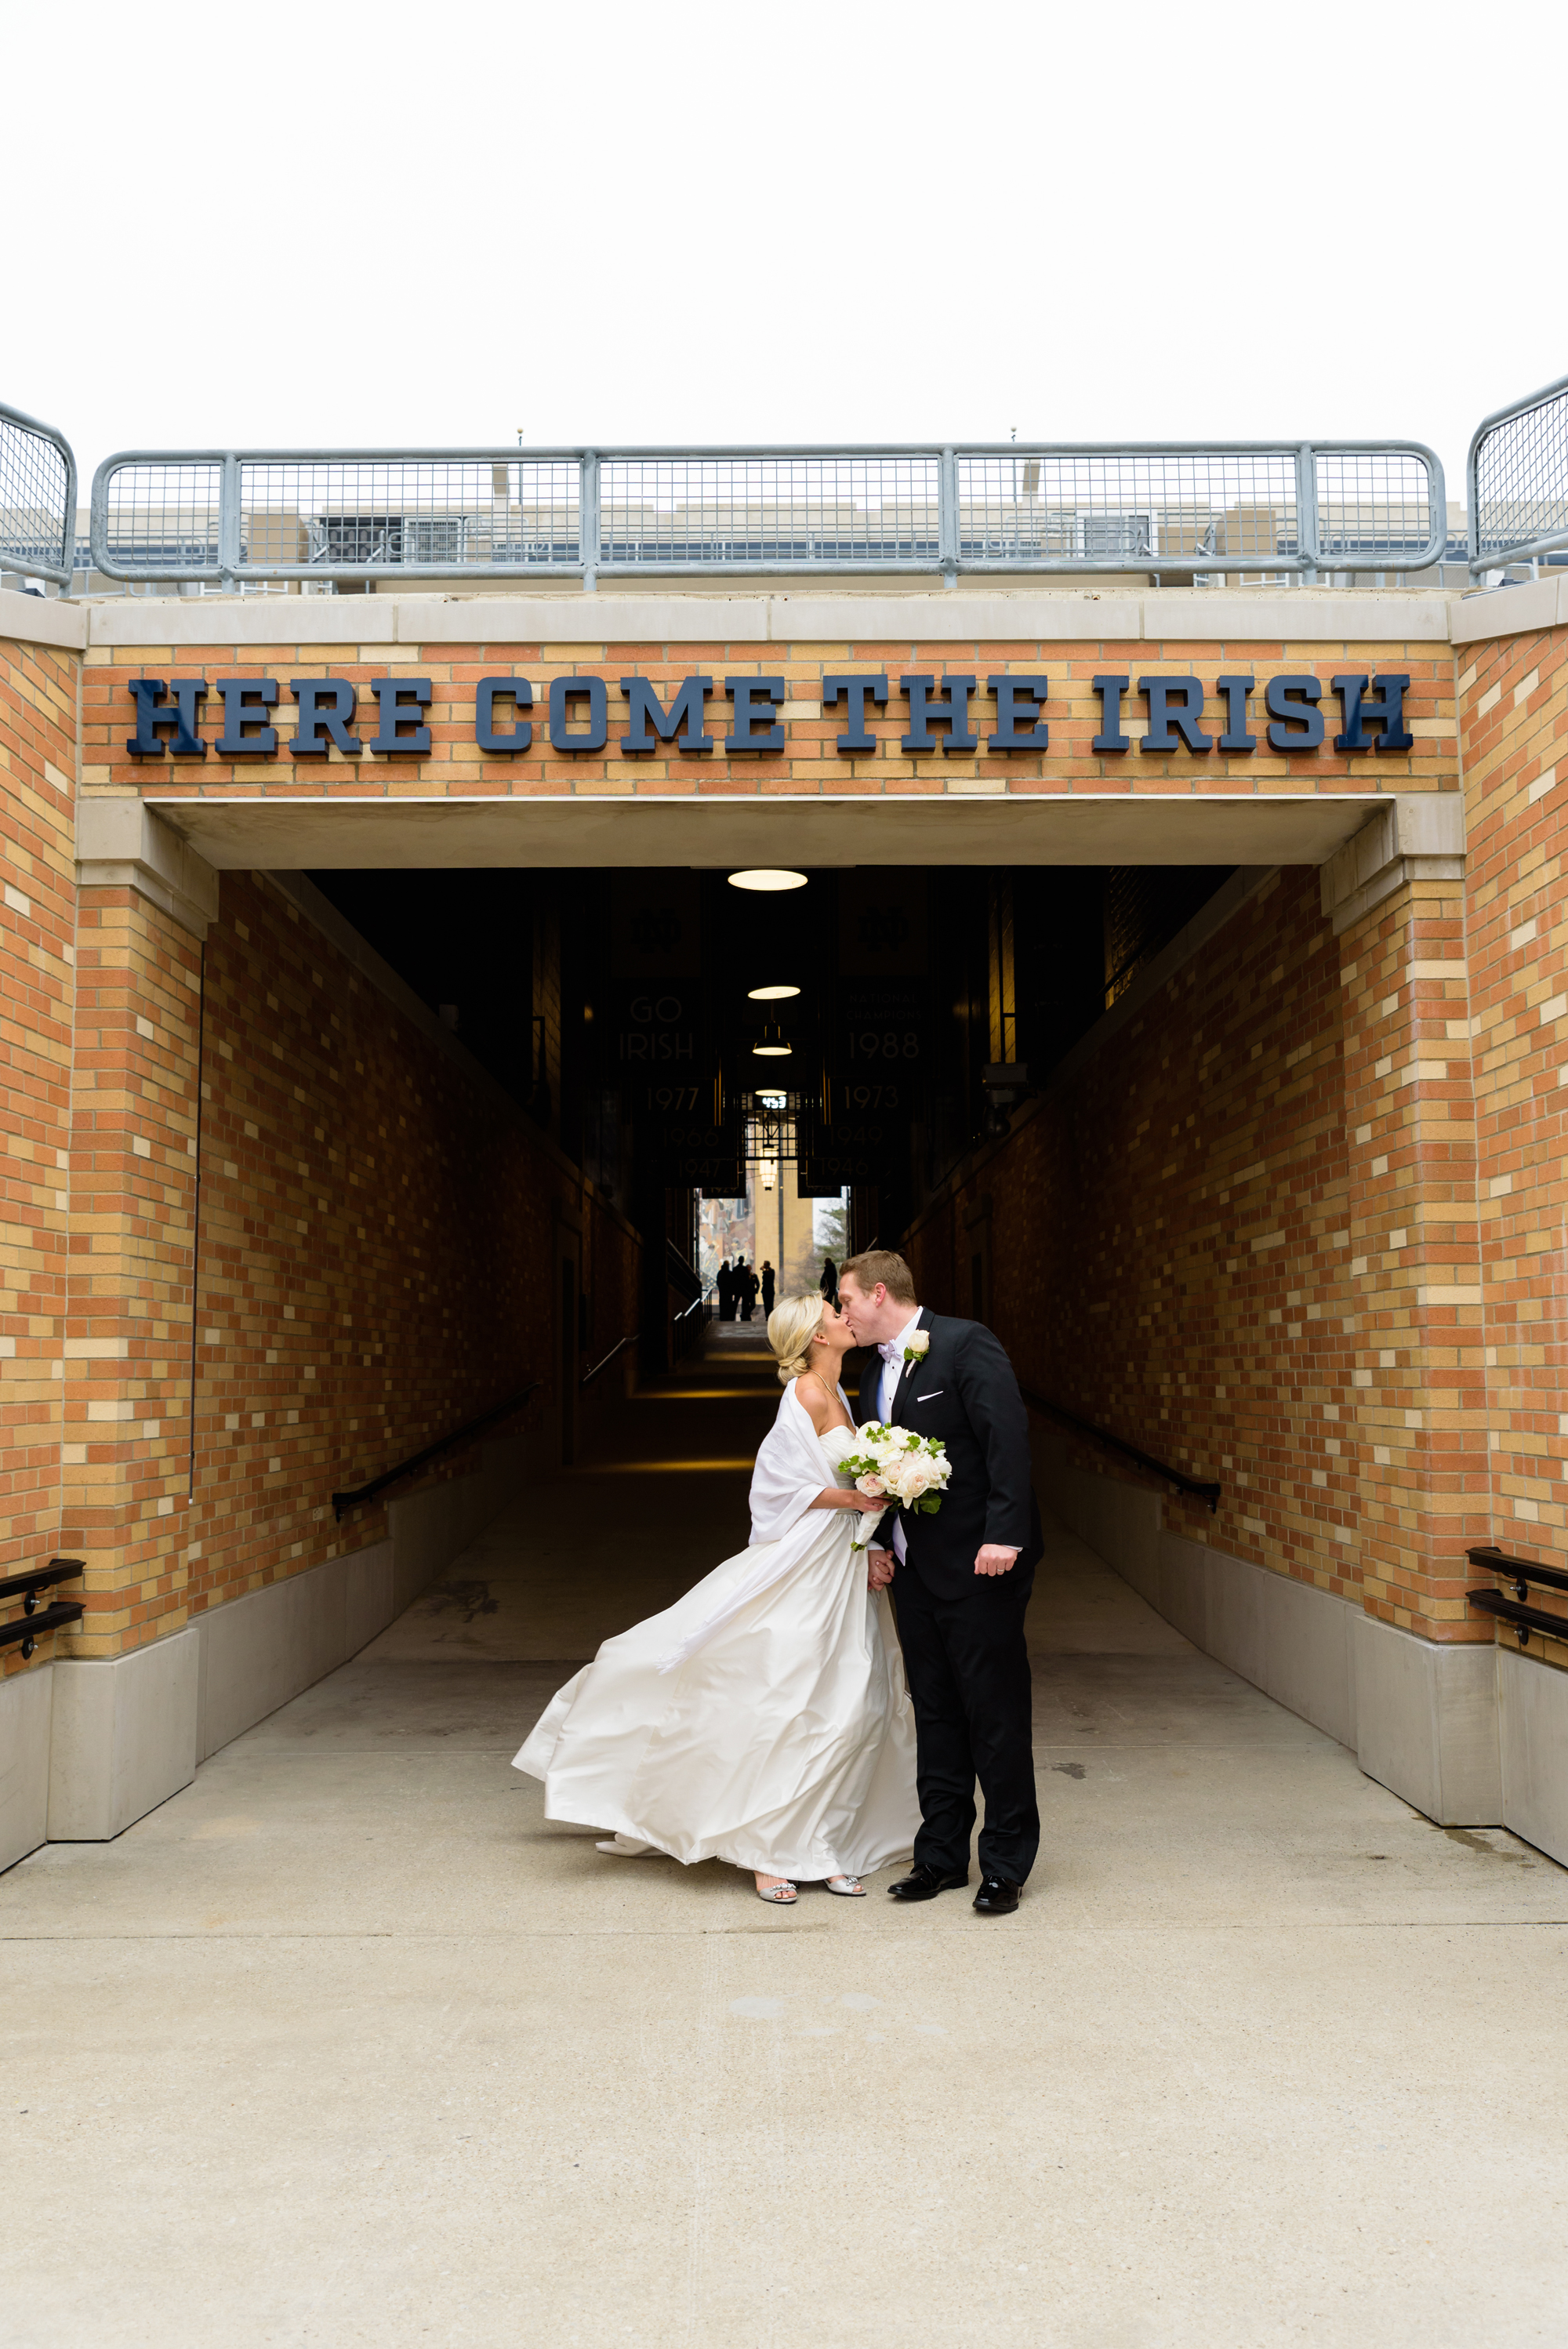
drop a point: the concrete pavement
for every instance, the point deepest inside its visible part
(345, 2044)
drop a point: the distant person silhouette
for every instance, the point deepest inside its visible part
(767, 1286)
(747, 1285)
(829, 1281)
(725, 1284)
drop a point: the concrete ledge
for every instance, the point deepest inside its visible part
(1418, 837)
(1309, 1660)
(122, 844)
(88, 1746)
(43, 620)
(123, 1737)
(1533, 1712)
(259, 1651)
(26, 1707)
(1121, 1521)
(1427, 1723)
(1425, 1737)
(978, 611)
(1514, 611)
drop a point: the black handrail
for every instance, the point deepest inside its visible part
(1525, 1619)
(588, 1376)
(43, 1578)
(1520, 1571)
(1177, 1477)
(680, 1272)
(38, 1621)
(351, 1500)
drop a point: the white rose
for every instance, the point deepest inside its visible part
(920, 1343)
(872, 1487)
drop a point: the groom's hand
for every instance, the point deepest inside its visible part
(879, 1569)
(992, 1558)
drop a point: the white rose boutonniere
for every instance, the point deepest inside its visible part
(918, 1346)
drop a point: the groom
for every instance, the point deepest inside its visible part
(963, 1577)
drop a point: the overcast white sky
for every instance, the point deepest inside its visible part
(327, 224)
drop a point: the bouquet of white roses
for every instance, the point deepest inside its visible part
(896, 1463)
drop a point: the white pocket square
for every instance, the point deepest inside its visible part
(932, 1396)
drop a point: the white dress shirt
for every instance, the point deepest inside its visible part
(891, 1374)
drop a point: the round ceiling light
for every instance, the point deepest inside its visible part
(765, 876)
(769, 994)
(772, 1047)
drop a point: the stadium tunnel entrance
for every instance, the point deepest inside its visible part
(422, 1080)
(774, 1066)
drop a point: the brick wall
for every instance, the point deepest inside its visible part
(1514, 700)
(126, 1454)
(1171, 1246)
(809, 763)
(38, 934)
(1420, 1388)
(377, 1257)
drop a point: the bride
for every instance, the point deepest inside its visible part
(762, 1719)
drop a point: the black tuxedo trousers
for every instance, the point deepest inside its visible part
(962, 1633)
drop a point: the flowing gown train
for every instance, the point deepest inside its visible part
(763, 1719)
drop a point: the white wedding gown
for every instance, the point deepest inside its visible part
(763, 1719)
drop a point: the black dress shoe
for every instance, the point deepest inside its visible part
(996, 1897)
(925, 1884)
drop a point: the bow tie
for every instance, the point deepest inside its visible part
(892, 1353)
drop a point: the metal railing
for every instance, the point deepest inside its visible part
(1286, 509)
(38, 1621)
(1199, 1487)
(1522, 1572)
(1516, 482)
(604, 1362)
(38, 497)
(459, 1435)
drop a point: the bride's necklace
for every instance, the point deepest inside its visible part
(827, 1390)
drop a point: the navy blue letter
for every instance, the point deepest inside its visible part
(564, 690)
(756, 701)
(1386, 710)
(1299, 727)
(184, 717)
(1175, 708)
(1235, 690)
(1019, 697)
(646, 709)
(391, 693)
(485, 698)
(952, 713)
(323, 701)
(857, 691)
(245, 702)
(1110, 735)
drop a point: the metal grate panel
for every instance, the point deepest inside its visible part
(478, 514)
(383, 515)
(162, 520)
(38, 497)
(773, 514)
(1375, 506)
(1177, 509)
(1519, 481)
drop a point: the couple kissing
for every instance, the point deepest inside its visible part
(776, 1716)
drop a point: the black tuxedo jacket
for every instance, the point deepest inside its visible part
(964, 1392)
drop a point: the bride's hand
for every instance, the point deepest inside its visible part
(833, 1496)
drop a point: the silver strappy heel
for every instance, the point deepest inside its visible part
(782, 1894)
(847, 1888)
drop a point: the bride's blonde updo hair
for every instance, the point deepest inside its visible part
(792, 1326)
